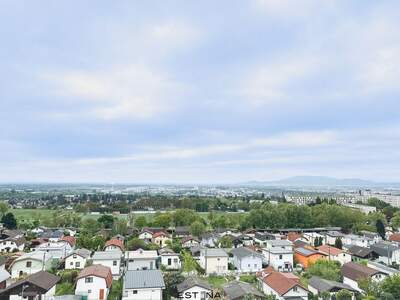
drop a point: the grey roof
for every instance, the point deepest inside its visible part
(214, 252)
(237, 290)
(335, 234)
(359, 251)
(384, 248)
(106, 255)
(191, 282)
(279, 243)
(381, 267)
(323, 285)
(143, 279)
(85, 253)
(306, 252)
(244, 252)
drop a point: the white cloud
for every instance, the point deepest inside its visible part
(134, 92)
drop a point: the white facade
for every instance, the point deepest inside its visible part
(50, 293)
(296, 291)
(57, 250)
(142, 294)
(354, 284)
(75, 261)
(141, 260)
(279, 255)
(247, 264)
(112, 248)
(93, 287)
(145, 235)
(355, 240)
(111, 259)
(30, 263)
(213, 263)
(171, 261)
(10, 245)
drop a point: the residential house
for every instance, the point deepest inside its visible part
(238, 290)
(305, 256)
(160, 238)
(356, 240)
(182, 231)
(41, 285)
(242, 241)
(209, 239)
(246, 260)
(352, 273)
(279, 254)
(141, 260)
(333, 253)
(146, 235)
(189, 241)
(58, 250)
(169, 259)
(114, 245)
(11, 241)
(77, 259)
(331, 236)
(110, 259)
(382, 268)
(94, 282)
(284, 286)
(143, 285)
(318, 286)
(194, 288)
(71, 240)
(387, 252)
(214, 261)
(261, 238)
(311, 237)
(30, 263)
(360, 253)
(371, 235)
(4, 277)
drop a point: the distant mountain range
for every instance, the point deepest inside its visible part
(315, 181)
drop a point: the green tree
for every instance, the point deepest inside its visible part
(9, 221)
(197, 228)
(189, 264)
(395, 221)
(171, 280)
(162, 220)
(136, 243)
(106, 221)
(344, 295)
(338, 243)
(141, 222)
(184, 217)
(3, 208)
(225, 242)
(391, 285)
(326, 269)
(380, 228)
(120, 227)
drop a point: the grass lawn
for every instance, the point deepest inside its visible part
(248, 278)
(65, 288)
(218, 281)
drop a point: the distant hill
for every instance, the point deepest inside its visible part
(317, 181)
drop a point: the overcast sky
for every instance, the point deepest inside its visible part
(198, 91)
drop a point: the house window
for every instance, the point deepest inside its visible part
(175, 260)
(74, 256)
(88, 279)
(89, 291)
(280, 256)
(134, 292)
(295, 289)
(28, 264)
(169, 261)
(114, 263)
(71, 263)
(78, 264)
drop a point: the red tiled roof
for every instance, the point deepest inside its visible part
(280, 282)
(115, 242)
(160, 233)
(395, 237)
(98, 271)
(70, 240)
(326, 249)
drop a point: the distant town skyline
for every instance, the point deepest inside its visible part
(199, 92)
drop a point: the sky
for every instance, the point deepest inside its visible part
(198, 91)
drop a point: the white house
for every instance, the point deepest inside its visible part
(161, 238)
(246, 260)
(94, 282)
(283, 286)
(261, 238)
(143, 285)
(333, 253)
(194, 288)
(110, 259)
(77, 259)
(114, 245)
(214, 261)
(58, 250)
(388, 252)
(317, 286)
(353, 272)
(141, 259)
(331, 236)
(30, 263)
(279, 254)
(146, 235)
(41, 285)
(12, 244)
(169, 259)
(189, 242)
(356, 240)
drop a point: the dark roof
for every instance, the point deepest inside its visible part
(143, 279)
(299, 243)
(191, 282)
(384, 248)
(359, 251)
(42, 279)
(237, 290)
(263, 236)
(356, 271)
(182, 230)
(323, 285)
(244, 252)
